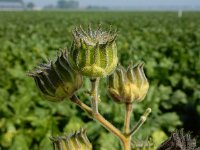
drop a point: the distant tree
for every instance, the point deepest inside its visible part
(61, 4)
(67, 4)
(30, 5)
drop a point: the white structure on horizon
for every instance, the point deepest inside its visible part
(12, 5)
(180, 14)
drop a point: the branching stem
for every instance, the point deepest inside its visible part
(140, 122)
(94, 113)
(98, 117)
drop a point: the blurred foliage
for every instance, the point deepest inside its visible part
(169, 46)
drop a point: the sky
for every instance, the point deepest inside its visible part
(123, 3)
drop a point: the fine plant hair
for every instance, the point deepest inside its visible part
(179, 140)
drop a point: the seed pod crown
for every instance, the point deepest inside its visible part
(94, 52)
(56, 80)
(76, 141)
(127, 86)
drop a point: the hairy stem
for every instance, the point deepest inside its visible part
(127, 144)
(124, 138)
(99, 118)
(109, 126)
(82, 105)
(129, 109)
(140, 122)
(94, 92)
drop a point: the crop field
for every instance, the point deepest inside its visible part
(167, 44)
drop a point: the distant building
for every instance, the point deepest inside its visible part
(12, 5)
(63, 4)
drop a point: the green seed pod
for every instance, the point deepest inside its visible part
(75, 141)
(128, 86)
(93, 53)
(57, 80)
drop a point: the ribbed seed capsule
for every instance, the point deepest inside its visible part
(114, 84)
(57, 80)
(179, 140)
(128, 86)
(75, 141)
(93, 53)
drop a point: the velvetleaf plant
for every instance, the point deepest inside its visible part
(94, 54)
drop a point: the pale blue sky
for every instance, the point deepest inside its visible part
(124, 3)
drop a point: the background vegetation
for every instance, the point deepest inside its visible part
(169, 46)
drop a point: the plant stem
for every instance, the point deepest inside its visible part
(127, 143)
(99, 118)
(129, 109)
(109, 126)
(82, 105)
(140, 122)
(124, 138)
(94, 92)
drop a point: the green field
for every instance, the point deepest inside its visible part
(169, 46)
